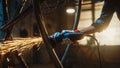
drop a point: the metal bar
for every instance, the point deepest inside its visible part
(17, 18)
(22, 60)
(42, 29)
(9, 31)
(76, 21)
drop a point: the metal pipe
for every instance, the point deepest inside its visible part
(20, 16)
(76, 21)
(44, 34)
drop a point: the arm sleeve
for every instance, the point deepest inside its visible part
(103, 21)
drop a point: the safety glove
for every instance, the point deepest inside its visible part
(73, 35)
(55, 39)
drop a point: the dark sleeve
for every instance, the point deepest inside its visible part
(103, 21)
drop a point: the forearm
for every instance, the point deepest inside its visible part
(88, 30)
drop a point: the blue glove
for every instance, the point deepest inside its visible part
(73, 35)
(57, 37)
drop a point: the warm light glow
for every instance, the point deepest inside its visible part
(70, 10)
(83, 41)
(111, 36)
(108, 36)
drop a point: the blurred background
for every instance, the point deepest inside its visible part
(84, 54)
(57, 19)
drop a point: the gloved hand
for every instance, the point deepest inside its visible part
(73, 35)
(56, 37)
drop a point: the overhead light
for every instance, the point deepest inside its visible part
(70, 10)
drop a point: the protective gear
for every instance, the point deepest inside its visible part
(73, 35)
(56, 37)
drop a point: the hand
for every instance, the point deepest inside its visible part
(57, 37)
(73, 35)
